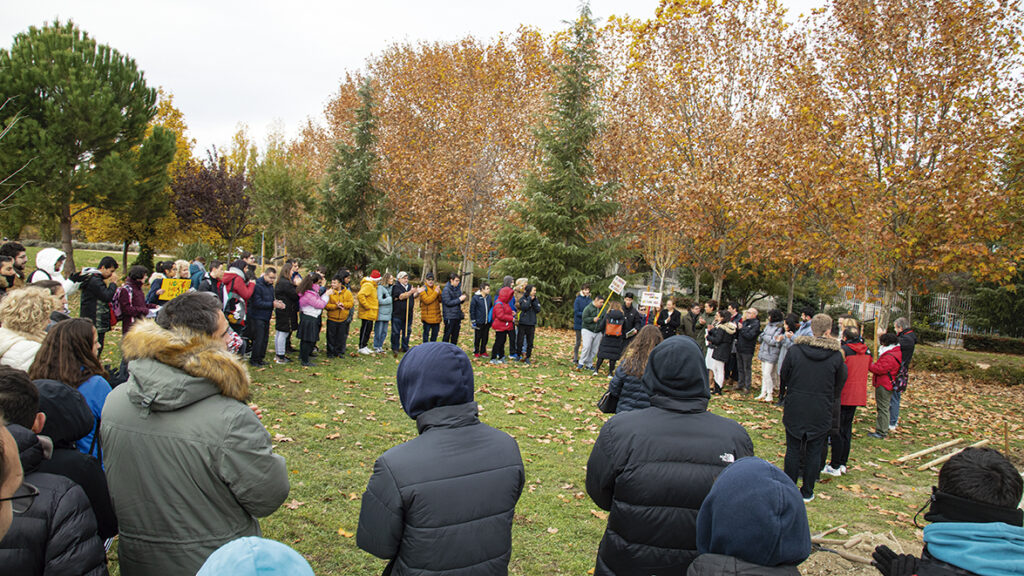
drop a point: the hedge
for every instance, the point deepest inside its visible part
(999, 374)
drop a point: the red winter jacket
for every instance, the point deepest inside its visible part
(133, 304)
(235, 282)
(886, 368)
(502, 317)
(858, 360)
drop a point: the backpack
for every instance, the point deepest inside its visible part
(234, 306)
(115, 302)
(902, 378)
(613, 327)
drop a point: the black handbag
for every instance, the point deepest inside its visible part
(608, 403)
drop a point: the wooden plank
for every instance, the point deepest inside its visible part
(943, 459)
(935, 448)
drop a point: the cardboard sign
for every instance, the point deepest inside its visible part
(618, 283)
(174, 287)
(650, 299)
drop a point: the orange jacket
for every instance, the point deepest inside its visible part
(430, 305)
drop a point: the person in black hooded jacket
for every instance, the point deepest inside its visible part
(813, 375)
(442, 502)
(54, 532)
(752, 523)
(652, 468)
(69, 418)
(97, 294)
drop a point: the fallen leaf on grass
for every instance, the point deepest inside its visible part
(600, 514)
(294, 381)
(552, 530)
(294, 504)
(282, 438)
(345, 533)
(334, 436)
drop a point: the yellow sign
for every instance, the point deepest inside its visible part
(174, 287)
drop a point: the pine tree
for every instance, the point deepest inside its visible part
(560, 241)
(353, 211)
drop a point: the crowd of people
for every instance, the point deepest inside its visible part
(164, 452)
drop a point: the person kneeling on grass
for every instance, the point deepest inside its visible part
(977, 525)
(752, 522)
(442, 502)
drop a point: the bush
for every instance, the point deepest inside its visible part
(928, 334)
(999, 374)
(983, 343)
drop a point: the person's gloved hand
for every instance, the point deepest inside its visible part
(890, 563)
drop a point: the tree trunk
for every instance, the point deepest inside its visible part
(716, 292)
(467, 271)
(65, 242)
(696, 285)
(124, 259)
(882, 323)
(792, 288)
(661, 283)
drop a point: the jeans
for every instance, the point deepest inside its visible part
(337, 338)
(744, 364)
(430, 332)
(524, 340)
(365, 331)
(499, 345)
(380, 333)
(281, 342)
(803, 456)
(480, 336)
(882, 397)
(260, 332)
(400, 328)
(894, 408)
(451, 330)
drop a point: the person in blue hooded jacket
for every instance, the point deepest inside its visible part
(977, 526)
(442, 502)
(254, 556)
(578, 306)
(752, 523)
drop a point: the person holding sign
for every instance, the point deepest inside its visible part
(613, 337)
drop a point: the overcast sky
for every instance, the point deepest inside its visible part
(263, 63)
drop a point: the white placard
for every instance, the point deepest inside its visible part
(618, 283)
(650, 299)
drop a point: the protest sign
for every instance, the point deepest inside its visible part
(650, 299)
(174, 287)
(618, 283)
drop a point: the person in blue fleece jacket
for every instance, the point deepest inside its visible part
(977, 526)
(753, 522)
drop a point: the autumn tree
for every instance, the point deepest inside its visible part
(281, 194)
(84, 110)
(211, 194)
(561, 240)
(353, 210)
(929, 90)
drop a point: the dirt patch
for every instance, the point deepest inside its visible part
(826, 562)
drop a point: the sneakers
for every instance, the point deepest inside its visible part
(808, 498)
(760, 397)
(828, 469)
(282, 360)
(842, 469)
(526, 361)
(877, 435)
(308, 364)
(892, 428)
(768, 399)
(365, 350)
(595, 373)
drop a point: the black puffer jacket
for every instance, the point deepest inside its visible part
(611, 347)
(287, 317)
(57, 534)
(94, 291)
(528, 308)
(813, 375)
(721, 338)
(652, 468)
(630, 390)
(442, 502)
(68, 418)
(908, 341)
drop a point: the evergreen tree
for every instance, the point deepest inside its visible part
(352, 211)
(560, 242)
(80, 140)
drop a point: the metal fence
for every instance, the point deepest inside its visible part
(945, 311)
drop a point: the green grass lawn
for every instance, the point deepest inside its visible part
(332, 421)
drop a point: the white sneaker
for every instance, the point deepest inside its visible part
(768, 399)
(828, 469)
(891, 428)
(759, 397)
(842, 469)
(365, 350)
(806, 500)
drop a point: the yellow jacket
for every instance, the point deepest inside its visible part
(339, 305)
(430, 305)
(367, 299)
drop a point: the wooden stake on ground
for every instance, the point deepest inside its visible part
(943, 459)
(935, 448)
(829, 531)
(852, 557)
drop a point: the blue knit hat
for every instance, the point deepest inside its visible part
(251, 556)
(434, 374)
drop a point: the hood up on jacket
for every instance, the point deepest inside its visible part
(505, 295)
(32, 449)
(750, 500)
(252, 556)
(68, 416)
(46, 260)
(819, 347)
(676, 369)
(432, 375)
(857, 346)
(202, 356)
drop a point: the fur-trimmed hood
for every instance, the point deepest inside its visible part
(729, 327)
(818, 348)
(154, 354)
